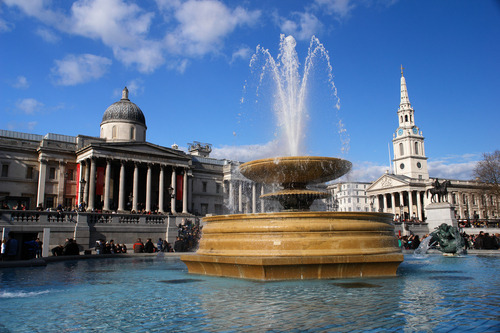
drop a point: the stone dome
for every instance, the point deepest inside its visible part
(124, 110)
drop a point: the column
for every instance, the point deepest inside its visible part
(410, 204)
(91, 182)
(393, 200)
(80, 187)
(240, 197)
(254, 199)
(385, 203)
(174, 192)
(41, 182)
(60, 183)
(107, 185)
(148, 189)
(401, 203)
(161, 188)
(231, 196)
(419, 206)
(262, 202)
(87, 184)
(185, 192)
(121, 194)
(135, 189)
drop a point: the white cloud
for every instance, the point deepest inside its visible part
(147, 55)
(178, 65)
(450, 168)
(21, 126)
(365, 172)
(341, 8)
(29, 105)
(47, 35)
(195, 27)
(307, 26)
(243, 53)
(135, 87)
(83, 68)
(203, 25)
(21, 82)
(115, 22)
(246, 153)
(5, 26)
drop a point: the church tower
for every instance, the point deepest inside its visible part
(408, 142)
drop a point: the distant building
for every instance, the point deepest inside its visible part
(405, 191)
(349, 197)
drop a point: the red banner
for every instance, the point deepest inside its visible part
(180, 180)
(99, 186)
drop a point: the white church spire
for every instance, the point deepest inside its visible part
(405, 100)
(408, 142)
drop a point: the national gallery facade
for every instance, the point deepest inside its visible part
(120, 172)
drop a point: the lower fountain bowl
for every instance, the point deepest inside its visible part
(297, 245)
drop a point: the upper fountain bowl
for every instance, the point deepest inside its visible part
(295, 169)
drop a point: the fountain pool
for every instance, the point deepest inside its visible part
(439, 294)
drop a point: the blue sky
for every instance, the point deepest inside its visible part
(186, 64)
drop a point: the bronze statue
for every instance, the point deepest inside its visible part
(449, 239)
(439, 190)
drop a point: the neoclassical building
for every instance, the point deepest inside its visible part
(404, 191)
(120, 171)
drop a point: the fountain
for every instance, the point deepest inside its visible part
(296, 243)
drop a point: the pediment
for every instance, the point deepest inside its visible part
(134, 151)
(388, 181)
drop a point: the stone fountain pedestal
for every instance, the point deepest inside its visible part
(297, 243)
(291, 245)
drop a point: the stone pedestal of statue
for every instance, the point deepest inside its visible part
(438, 213)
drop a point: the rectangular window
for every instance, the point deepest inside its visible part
(29, 172)
(70, 174)
(217, 188)
(204, 209)
(204, 184)
(49, 202)
(52, 173)
(5, 170)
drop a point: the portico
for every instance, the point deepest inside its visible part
(133, 177)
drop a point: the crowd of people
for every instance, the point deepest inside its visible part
(109, 247)
(69, 248)
(481, 241)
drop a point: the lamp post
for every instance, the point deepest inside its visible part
(82, 188)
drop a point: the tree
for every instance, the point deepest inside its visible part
(488, 171)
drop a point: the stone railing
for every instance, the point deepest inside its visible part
(27, 216)
(14, 217)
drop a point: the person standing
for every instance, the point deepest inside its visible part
(12, 247)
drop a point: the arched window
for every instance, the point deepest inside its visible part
(401, 119)
(410, 118)
(132, 133)
(406, 118)
(113, 132)
(401, 149)
(416, 148)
